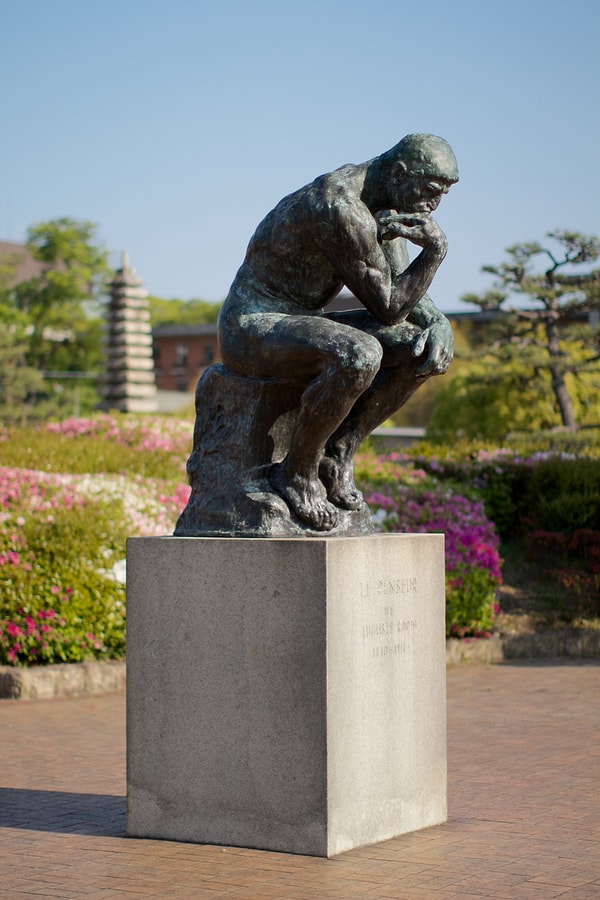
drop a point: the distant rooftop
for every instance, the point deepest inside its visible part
(26, 266)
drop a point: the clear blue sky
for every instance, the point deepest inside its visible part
(177, 125)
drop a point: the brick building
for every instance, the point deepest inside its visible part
(182, 353)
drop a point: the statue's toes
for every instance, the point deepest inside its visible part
(353, 500)
(349, 498)
(323, 516)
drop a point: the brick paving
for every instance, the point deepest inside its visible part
(524, 796)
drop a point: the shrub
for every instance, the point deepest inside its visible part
(62, 536)
(470, 602)
(585, 442)
(546, 508)
(562, 495)
(145, 446)
(544, 491)
(571, 565)
(405, 499)
(60, 600)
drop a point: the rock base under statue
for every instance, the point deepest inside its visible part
(243, 426)
(285, 694)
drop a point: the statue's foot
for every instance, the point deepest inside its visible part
(304, 497)
(338, 479)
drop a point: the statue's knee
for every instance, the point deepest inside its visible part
(362, 361)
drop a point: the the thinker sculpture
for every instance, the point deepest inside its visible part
(343, 374)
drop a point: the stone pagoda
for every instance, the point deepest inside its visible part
(127, 382)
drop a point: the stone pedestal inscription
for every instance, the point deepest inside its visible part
(286, 694)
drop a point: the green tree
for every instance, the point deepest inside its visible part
(19, 383)
(60, 301)
(536, 344)
(182, 312)
(486, 399)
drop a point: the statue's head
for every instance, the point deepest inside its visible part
(418, 171)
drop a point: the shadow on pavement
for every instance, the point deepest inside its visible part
(62, 812)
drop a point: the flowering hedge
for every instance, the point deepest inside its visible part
(89, 483)
(62, 553)
(146, 446)
(545, 506)
(404, 498)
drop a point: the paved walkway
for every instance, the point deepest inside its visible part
(524, 794)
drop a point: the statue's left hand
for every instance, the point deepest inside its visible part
(438, 339)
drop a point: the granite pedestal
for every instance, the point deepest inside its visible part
(285, 694)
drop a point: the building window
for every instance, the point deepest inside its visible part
(209, 354)
(181, 355)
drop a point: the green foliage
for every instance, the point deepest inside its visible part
(512, 390)
(73, 266)
(49, 317)
(102, 450)
(59, 603)
(543, 491)
(182, 312)
(470, 602)
(62, 535)
(562, 495)
(582, 443)
(485, 401)
(546, 509)
(536, 348)
(19, 383)
(500, 490)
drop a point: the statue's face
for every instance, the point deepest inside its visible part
(416, 194)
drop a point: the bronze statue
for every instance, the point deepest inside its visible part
(352, 370)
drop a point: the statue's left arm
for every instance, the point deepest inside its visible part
(436, 338)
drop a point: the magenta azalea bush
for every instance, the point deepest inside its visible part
(404, 498)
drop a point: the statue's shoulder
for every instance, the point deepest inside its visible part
(344, 182)
(337, 194)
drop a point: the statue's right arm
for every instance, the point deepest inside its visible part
(350, 240)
